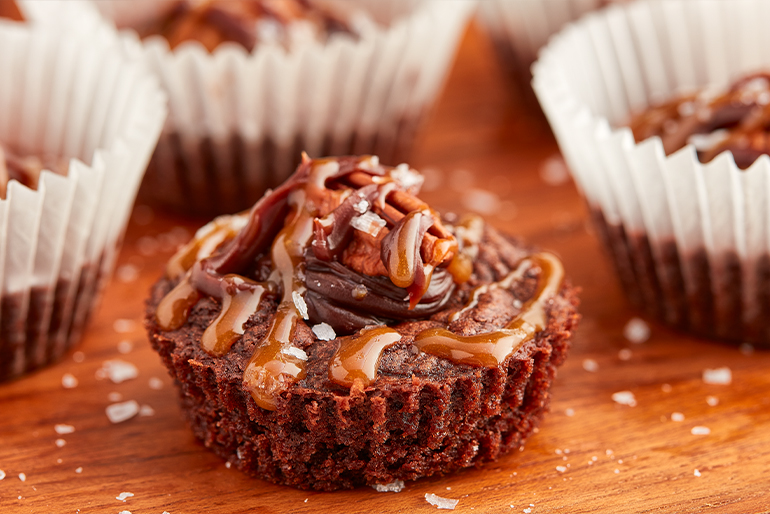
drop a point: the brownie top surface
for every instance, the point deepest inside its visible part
(736, 119)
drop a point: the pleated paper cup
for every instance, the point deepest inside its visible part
(239, 121)
(80, 97)
(691, 241)
(520, 28)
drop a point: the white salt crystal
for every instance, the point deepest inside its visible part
(561, 469)
(299, 303)
(481, 201)
(123, 326)
(395, 486)
(155, 383)
(697, 473)
(719, 376)
(22, 477)
(677, 416)
(554, 172)
(569, 412)
(617, 471)
(127, 273)
(713, 401)
(624, 398)
(636, 330)
(2, 474)
(590, 365)
(441, 503)
(625, 354)
(125, 347)
(361, 207)
(228, 464)
(146, 410)
(68, 381)
(527, 510)
(120, 412)
(60, 443)
(62, 429)
(407, 177)
(78, 470)
(324, 332)
(295, 352)
(369, 223)
(700, 431)
(119, 371)
(124, 496)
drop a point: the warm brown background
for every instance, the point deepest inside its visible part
(478, 139)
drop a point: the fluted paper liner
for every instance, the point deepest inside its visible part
(691, 241)
(239, 121)
(77, 95)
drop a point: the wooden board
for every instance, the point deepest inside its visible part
(591, 454)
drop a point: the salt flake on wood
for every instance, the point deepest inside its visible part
(123, 326)
(120, 412)
(62, 429)
(124, 496)
(590, 365)
(636, 330)
(60, 443)
(68, 381)
(395, 486)
(118, 371)
(22, 477)
(700, 431)
(718, 376)
(441, 503)
(697, 473)
(677, 416)
(2, 474)
(624, 398)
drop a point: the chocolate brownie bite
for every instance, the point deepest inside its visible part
(341, 333)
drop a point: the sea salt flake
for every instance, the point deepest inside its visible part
(120, 412)
(295, 352)
(60, 443)
(146, 410)
(700, 431)
(368, 223)
(554, 172)
(124, 496)
(677, 416)
(527, 510)
(712, 401)
(481, 201)
(441, 503)
(324, 332)
(361, 207)
(569, 412)
(561, 469)
(407, 177)
(617, 471)
(625, 354)
(718, 376)
(155, 383)
(395, 486)
(2, 474)
(696, 473)
(78, 470)
(299, 303)
(125, 347)
(123, 326)
(624, 398)
(590, 365)
(62, 429)
(22, 477)
(636, 330)
(68, 381)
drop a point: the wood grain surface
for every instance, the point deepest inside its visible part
(481, 151)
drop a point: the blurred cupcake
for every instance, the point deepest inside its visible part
(519, 28)
(253, 83)
(689, 230)
(79, 122)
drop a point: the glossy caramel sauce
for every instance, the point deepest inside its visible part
(358, 356)
(490, 349)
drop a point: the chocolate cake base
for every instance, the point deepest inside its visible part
(205, 178)
(422, 416)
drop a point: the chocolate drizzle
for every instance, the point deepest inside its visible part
(346, 243)
(737, 120)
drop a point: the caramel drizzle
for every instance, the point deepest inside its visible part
(358, 356)
(492, 348)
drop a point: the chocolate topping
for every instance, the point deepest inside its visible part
(737, 120)
(342, 242)
(244, 22)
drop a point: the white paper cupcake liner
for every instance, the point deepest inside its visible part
(239, 121)
(79, 96)
(691, 241)
(519, 28)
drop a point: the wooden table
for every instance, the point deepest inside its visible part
(591, 454)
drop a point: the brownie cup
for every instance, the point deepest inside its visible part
(253, 84)
(73, 148)
(341, 334)
(664, 122)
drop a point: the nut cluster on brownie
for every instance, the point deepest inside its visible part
(346, 246)
(737, 120)
(245, 22)
(26, 168)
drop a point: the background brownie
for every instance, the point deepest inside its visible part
(420, 415)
